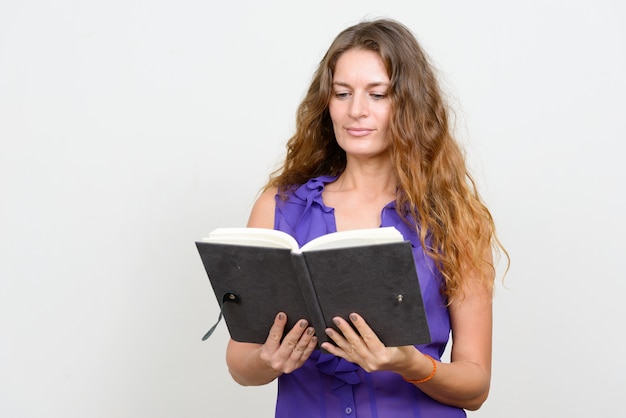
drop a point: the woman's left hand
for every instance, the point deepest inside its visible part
(364, 347)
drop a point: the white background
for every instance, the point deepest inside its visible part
(131, 128)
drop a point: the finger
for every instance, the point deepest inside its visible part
(332, 348)
(293, 337)
(300, 351)
(337, 337)
(342, 347)
(304, 343)
(368, 336)
(357, 342)
(276, 331)
(310, 348)
(348, 333)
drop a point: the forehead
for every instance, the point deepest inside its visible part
(360, 64)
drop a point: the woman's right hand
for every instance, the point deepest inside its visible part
(256, 364)
(295, 348)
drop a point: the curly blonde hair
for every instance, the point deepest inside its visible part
(435, 189)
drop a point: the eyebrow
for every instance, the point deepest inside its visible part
(369, 85)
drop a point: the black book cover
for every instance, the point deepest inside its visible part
(252, 284)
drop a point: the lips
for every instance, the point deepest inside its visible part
(359, 131)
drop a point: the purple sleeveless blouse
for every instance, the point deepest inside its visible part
(330, 387)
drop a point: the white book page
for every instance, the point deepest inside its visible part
(354, 238)
(256, 237)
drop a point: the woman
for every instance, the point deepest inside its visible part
(373, 148)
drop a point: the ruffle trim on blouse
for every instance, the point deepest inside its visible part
(345, 374)
(311, 192)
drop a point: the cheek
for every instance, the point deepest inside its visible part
(385, 117)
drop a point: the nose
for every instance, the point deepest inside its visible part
(359, 106)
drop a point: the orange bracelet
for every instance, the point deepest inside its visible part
(426, 379)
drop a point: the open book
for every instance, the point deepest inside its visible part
(256, 273)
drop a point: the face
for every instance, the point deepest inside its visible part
(359, 106)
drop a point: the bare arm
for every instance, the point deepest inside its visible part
(262, 214)
(465, 381)
(259, 364)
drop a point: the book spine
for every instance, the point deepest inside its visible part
(310, 297)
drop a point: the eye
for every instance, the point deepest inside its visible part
(342, 94)
(378, 96)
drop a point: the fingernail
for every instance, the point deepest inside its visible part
(353, 317)
(336, 321)
(310, 331)
(303, 324)
(314, 340)
(281, 316)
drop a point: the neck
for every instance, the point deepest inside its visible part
(369, 178)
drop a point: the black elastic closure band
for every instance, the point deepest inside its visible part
(210, 331)
(228, 297)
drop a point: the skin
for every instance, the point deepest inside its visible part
(360, 110)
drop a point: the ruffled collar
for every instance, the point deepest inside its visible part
(311, 192)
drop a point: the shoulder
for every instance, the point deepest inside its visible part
(262, 214)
